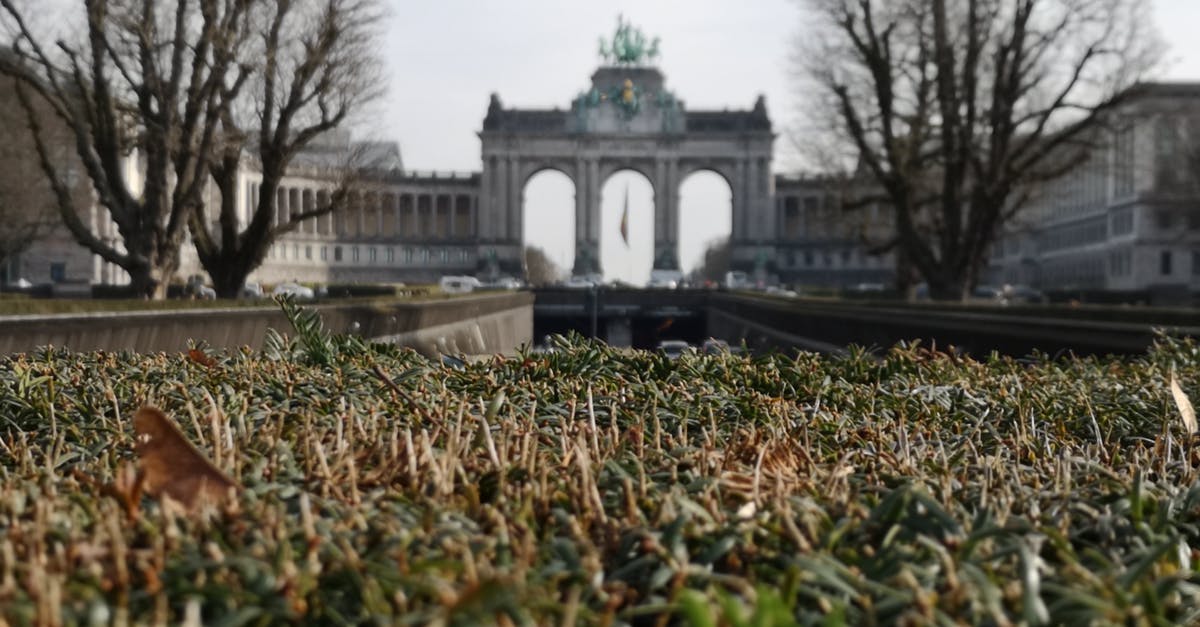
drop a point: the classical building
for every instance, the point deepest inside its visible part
(819, 243)
(1128, 219)
(626, 120)
(403, 225)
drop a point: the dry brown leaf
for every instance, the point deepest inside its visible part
(201, 357)
(170, 465)
(1186, 411)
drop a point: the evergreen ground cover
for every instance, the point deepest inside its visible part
(595, 486)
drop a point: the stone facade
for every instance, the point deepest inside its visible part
(409, 226)
(1128, 219)
(626, 120)
(819, 244)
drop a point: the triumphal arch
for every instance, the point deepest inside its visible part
(626, 120)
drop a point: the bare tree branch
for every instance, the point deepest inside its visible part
(988, 97)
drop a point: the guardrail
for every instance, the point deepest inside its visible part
(975, 330)
(483, 323)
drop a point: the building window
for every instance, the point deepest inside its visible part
(391, 254)
(1164, 263)
(308, 253)
(1124, 162)
(1122, 222)
(58, 271)
(808, 259)
(295, 251)
(354, 254)
(324, 253)
(444, 255)
(337, 253)
(1167, 154)
(408, 255)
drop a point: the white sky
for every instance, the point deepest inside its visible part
(446, 56)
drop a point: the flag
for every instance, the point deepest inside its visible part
(625, 219)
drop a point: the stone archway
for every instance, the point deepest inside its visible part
(706, 214)
(627, 196)
(627, 119)
(548, 218)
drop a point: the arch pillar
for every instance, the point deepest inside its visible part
(514, 195)
(666, 214)
(587, 217)
(740, 202)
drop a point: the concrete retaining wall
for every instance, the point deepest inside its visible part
(476, 324)
(826, 325)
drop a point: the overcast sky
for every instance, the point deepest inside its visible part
(446, 56)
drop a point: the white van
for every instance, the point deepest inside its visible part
(736, 280)
(665, 279)
(459, 284)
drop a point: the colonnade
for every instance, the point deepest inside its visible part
(399, 215)
(505, 175)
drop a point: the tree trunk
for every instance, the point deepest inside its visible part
(950, 282)
(148, 282)
(228, 276)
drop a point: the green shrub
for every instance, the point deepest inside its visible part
(608, 485)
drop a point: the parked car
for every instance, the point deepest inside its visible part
(713, 346)
(459, 284)
(295, 290)
(867, 288)
(665, 279)
(737, 280)
(1023, 295)
(579, 283)
(776, 290)
(252, 290)
(195, 288)
(507, 283)
(987, 294)
(673, 349)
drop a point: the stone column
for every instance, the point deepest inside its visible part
(765, 195)
(397, 225)
(514, 201)
(474, 217)
(381, 207)
(581, 201)
(754, 215)
(483, 222)
(499, 211)
(279, 206)
(666, 219)
(672, 195)
(587, 217)
(594, 184)
(739, 202)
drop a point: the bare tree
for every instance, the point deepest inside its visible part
(716, 261)
(539, 268)
(304, 67)
(954, 109)
(136, 91)
(27, 209)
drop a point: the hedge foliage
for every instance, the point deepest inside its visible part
(597, 486)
